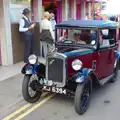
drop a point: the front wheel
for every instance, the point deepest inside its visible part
(82, 96)
(30, 94)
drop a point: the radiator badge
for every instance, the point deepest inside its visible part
(51, 62)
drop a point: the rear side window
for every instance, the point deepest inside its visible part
(107, 37)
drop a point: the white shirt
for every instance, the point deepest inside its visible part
(53, 23)
(86, 18)
(46, 25)
(22, 24)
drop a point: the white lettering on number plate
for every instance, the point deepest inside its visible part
(55, 90)
(59, 90)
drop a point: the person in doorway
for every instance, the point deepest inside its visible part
(47, 35)
(26, 27)
(97, 17)
(87, 16)
(52, 21)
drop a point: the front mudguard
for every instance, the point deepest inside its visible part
(37, 68)
(27, 67)
(81, 76)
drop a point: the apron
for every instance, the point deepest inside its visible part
(46, 42)
(46, 36)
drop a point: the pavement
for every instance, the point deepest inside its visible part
(10, 70)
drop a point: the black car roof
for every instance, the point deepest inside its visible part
(88, 23)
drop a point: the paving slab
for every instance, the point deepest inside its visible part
(10, 70)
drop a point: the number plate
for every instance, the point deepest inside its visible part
(55, 90)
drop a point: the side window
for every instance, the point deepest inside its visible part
(107, 37)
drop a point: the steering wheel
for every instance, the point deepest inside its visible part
(67, 41)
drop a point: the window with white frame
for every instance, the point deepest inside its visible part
(20, 1)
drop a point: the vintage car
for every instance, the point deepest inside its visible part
(85, 56)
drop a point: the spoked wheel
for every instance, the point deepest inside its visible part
(29, 90)
(116, 70)
(82, 96)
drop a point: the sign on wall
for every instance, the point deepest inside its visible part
(16, 11)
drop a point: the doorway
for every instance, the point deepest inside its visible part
(54, 7)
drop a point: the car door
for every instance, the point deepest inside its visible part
(105, 62)
(105, 56)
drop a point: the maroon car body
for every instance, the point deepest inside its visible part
(85, 55)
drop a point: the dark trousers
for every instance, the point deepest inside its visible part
(28, 46)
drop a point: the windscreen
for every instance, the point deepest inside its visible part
(77, 36)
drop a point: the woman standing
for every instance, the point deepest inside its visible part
(47, 34)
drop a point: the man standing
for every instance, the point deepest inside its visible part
(26, 28)
(52, 20)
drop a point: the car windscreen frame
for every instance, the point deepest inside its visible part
(77, 28)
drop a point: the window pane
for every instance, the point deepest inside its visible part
(20, 1)
(107, 37)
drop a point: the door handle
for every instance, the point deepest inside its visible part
(98, 54)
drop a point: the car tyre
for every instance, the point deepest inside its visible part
(25, 91)
(82, 96)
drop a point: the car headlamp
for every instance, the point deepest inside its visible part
(50, 83)
(32, 59)
(76, 64)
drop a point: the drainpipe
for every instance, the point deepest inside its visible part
(64, 10)
(74, 9)
(83, 10)
(39, 3)
(5, 33)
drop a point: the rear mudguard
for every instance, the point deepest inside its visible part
(37, 68)
(117, 59)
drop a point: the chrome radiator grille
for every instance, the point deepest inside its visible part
(55, 69)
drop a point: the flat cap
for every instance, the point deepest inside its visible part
(26, 11)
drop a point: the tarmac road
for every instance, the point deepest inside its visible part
(105, 105)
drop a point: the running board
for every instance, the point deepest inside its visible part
(105, 80)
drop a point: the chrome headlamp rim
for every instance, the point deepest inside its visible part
(32, 59)
(77, 64)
